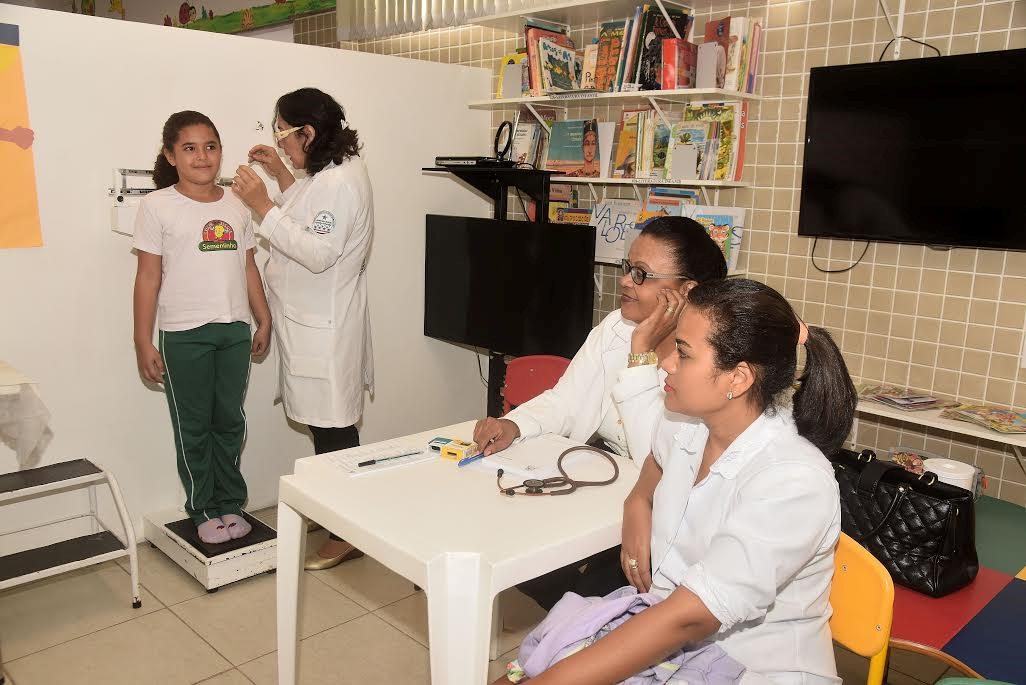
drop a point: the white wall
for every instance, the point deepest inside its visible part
(65, 308)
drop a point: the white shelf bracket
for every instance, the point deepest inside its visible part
(598, 283)
(544, 124)
(716, 197)
(659, 110)
(896, 31)
(594, 195)
(705, 195)
(666, 16)
(637, 192)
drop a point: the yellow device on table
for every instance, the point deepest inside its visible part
(459, 449)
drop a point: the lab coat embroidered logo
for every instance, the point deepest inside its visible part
(323, 223)
(218, 235)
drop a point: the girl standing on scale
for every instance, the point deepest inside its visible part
(196, 273)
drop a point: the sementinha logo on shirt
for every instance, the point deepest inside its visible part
(218, 235)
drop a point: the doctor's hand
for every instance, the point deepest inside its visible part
(151, 366)
(251, 190)
(660, 323)
(268, 157)
(636, 550)
(495, 435)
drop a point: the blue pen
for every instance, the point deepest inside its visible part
(469, 460)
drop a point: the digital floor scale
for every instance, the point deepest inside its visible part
(175, 535)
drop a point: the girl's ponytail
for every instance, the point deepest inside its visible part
(164, 174)
(824, 404)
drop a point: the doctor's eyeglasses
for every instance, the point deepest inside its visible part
(562, 484)
(282, 135)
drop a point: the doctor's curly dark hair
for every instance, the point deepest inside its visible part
(333, 141)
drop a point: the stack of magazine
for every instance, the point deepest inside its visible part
(994, 418)
(901, 398)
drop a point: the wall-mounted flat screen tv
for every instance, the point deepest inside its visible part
(929, 150)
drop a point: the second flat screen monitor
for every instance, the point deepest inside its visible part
(515, 287)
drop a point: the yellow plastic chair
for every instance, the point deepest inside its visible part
(862, 597)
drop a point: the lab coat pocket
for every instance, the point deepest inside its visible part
(308, 367)
(309, 319)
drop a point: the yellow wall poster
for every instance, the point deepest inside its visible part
(19, 207)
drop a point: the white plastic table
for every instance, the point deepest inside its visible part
(448, 530)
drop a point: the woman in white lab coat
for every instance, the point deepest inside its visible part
(320, 232)
(613, 389)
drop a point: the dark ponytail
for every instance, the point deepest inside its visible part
(824, 404)
(753, 323)
(694, 252)
(334, 140)
(164, 174)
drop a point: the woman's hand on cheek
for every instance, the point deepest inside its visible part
(660, 323)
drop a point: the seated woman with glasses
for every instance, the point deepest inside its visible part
(613, 388)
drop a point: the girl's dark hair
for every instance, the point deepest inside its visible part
(694, 252)
(753, 323)
(334, 140)
(164, 174)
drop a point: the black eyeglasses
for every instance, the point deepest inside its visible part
(638, 275)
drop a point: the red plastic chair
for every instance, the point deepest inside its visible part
(528, 377)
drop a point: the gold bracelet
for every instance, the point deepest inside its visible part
(642, 359)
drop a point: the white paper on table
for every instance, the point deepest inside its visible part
(536, 457)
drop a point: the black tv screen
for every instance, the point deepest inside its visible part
(929, 150)
(515, 287)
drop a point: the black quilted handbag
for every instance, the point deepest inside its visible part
(921, 530)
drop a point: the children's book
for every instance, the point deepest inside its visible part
(526, 141)
(625, 159)
(994, 418)
(725, 226)
(692, 133)
(653, 30)
(588, 69)
(718, 31)
(610, 44)
(573, 150)
(613, 219)
(723, 116)
(557, 66)
(573, 215)
(532, 35)
(680, 59)
(510, 78)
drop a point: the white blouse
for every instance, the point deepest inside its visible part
(754, 541)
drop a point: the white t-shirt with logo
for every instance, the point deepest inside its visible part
(203, 248)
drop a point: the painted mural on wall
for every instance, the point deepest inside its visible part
(200, 18)
(19, 206)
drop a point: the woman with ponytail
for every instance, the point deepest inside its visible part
(319, 229)
(731, 529)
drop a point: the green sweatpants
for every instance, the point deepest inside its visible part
(206, 370)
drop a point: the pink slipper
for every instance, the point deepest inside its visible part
(238, 527)
(213, 532)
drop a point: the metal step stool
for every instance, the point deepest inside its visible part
(99, 546)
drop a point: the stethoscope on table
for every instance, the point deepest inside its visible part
(558, 485)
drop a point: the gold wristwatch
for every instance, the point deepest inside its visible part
(642, 359)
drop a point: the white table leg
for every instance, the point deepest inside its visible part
(459, 618)
(291, 551)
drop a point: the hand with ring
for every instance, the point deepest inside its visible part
(636, 551)
(660, 323)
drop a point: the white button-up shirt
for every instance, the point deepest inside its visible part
(754, 541)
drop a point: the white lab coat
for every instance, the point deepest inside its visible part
(596, 378)
(320, 238)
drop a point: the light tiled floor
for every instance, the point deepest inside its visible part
(361, 624)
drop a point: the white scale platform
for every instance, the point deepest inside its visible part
(174, 534)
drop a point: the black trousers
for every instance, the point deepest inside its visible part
(332, 440)
(601, 575)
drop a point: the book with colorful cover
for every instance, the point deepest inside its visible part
(735, 47)
(613, 220)
(526, 143)
(567, 153)
(687, 133)
(625, 72)
(533, 34)
(994, 418)
(558, 68)
(718, 31)
(573, 215)
(680, 61)
(654, 30)
(755, 53)
(588, 69)
(722, 114)
(725, 226)
(610, 44)
(625, 160)
(509, 83)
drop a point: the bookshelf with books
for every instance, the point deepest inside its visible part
(641, 63)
